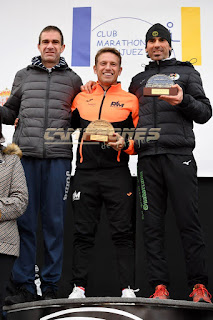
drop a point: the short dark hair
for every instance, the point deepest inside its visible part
(107, 49)
(50, 28)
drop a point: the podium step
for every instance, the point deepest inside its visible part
(110, 308)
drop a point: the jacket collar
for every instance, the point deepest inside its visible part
(99, 89)
(167, 62)
(36, 61)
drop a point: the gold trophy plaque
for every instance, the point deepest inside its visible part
(159, 84)
(99, 131)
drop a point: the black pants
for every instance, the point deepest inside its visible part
(6, 264)
(175, 176)
(92, 188)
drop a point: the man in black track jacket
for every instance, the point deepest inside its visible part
(166, 167)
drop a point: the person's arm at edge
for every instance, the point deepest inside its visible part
(10, 110)
(15, 204)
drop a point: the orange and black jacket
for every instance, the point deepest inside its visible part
(114, 105)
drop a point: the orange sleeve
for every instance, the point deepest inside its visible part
(135, 112)
(135, 116)
(130, 150)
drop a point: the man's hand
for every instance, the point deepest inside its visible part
(173, 100)
(119, 144)
(16, 122)
(89, 86)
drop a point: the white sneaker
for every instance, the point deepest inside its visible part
(77, 293)
(128, 293)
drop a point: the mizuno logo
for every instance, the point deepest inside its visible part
(76, 195)
(187, 162)
(117, 104)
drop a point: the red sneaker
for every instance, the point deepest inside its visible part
(160, 292)
(200, 294)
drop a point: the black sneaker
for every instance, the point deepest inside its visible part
(49, 294)
(22, 296)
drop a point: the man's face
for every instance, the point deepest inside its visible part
(107, 69)
(158, 48)
(50, 48)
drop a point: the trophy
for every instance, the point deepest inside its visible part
(99, 131)
(159, 84)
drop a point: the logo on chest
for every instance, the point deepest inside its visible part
(174, 76)
(117, 104)
(90, 102)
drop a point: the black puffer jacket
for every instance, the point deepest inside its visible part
(41, 100)
(176, 122)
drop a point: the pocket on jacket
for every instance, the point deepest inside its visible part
(17, 134)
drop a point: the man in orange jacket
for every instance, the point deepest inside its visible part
(102, 174)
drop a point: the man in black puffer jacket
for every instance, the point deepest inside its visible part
(41, 98)
(167, 166)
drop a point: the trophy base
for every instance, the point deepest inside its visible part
(154, 91)
(99, 137)
(99, 131)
